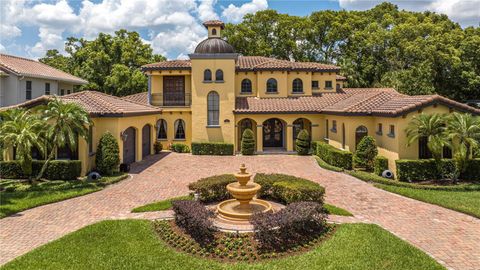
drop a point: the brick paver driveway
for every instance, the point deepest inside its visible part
(450, 237)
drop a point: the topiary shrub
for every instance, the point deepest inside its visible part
(179, 148)
(334, 156)
(288, 189)
(380, 165)
(107, 157)
(248, 142)
(302, 143)
(365, 153)
(194, 218)
(213, 188)
(157, 147)
(212, 148)
(295, 224)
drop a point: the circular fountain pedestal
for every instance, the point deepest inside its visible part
(244, 205)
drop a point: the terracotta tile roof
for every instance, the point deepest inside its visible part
(214, 23)
(98, 104)
(169, 65)
(30, 68)
(341, 78)
(348, 101)
(249, 63)
(141, 98)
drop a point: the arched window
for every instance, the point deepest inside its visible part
(207, 75)
(271, 85)
(219, 75)
(179, 129)
(213, 101)
(214, 32)
(360, 132)
(297, 86)
(246, 86)
(161, 129)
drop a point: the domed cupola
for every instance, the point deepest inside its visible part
(214, 44)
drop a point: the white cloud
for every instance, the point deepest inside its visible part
(178, 41)
(10, 13)
(465, 12)
(235, 14)
(206, 11)
(2, 48)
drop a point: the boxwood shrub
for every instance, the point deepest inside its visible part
(334, 156)
(380, 165)
(426, 169)
(179, 148)
(288, 189)
(213, 188)
(212, 148)
(56, 169)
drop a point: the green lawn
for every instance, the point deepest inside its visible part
(467, 202)
(26, 196)
(133, 244)
(167, 204)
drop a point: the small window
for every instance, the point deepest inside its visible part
(28, 90)
(179, 129)
(62, 92)
(214, 32)
(315, 84)
(68, 91)
(271, 85)
(90, 139)
(334, 126)
(328, 84)
(297, 86)
(392, 131)
(213, 108)
(47, 88)
(219, 75)
(207, 75)
(380, 129)
(162, 129)
(246, 86)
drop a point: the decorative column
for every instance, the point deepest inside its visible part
(290, 139)
(259, 141)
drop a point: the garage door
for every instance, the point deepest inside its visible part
(146, 141)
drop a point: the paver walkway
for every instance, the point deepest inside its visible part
(450, 237)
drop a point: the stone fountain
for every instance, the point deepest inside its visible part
(244, 205)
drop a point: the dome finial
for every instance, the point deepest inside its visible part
(214, 28)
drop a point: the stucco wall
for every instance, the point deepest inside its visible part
(171, 115)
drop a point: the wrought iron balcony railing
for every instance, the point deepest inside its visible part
(171, 99)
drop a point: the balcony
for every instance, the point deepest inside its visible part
(171, 99)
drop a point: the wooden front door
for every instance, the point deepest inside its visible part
(174, 91)
(129, 146)
(273, 133)
(146, 141)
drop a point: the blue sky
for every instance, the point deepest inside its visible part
(173, 27)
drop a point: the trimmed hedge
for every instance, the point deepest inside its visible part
(327, 166)
(288, 189)
(426, 169)
(380, 165)
(212, 148)
(179, 148)
(213, 188)
(56, 169)
(334, 156)
(302, 143)
(248, 142)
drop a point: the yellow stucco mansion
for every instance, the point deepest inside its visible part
(216, 94)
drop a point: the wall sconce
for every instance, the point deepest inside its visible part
(124, 136)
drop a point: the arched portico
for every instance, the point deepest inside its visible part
(299, 124)
(242, 126)
(274, 134)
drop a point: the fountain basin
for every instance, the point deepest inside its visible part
(243, 193)
(237, 211)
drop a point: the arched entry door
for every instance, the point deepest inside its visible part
(129, 142)
(273, 133)
(360, 132)
(146, 140)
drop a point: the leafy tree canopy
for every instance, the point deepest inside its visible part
(110, 63)
(414, 52)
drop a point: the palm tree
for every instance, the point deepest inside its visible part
(67, 122)
(432, 127)
(21, 129)
(464, 132)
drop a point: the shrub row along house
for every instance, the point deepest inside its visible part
(217, 94)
